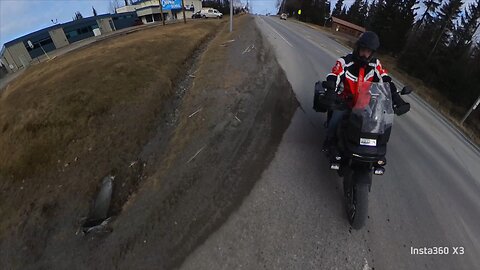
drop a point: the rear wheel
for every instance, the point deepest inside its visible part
(356, 198)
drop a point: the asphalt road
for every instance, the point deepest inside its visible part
(294, 216)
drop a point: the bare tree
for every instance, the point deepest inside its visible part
(114, 4)
(78, 16)
(278, 4)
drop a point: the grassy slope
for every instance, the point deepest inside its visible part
(57, 102)
(66, 123)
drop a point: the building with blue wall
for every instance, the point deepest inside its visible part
(18, 53)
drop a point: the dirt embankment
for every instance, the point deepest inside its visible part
(193, 154)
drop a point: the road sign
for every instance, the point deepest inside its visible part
(171, 4)
(475, 105)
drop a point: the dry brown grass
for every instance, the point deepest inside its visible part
(91, 96)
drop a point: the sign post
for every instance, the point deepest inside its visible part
(475, 105)
(183, 10)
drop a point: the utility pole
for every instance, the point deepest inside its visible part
(475, 105)
(231, 15)
(161, 11)
(183, 10)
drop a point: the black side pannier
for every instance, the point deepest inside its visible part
(319, 95)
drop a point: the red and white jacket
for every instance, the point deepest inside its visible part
(346, 71)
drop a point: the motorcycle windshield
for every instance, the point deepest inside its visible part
(374, 107)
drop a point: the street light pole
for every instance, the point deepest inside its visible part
(231, 15)
(161, 11)
(475, 105)
(183, 10)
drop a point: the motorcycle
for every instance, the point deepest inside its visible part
(362, 137)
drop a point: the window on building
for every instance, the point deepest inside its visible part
(46, 41)
(71, 34)
(83, 30)
(36, 44)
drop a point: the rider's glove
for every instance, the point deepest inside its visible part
(402, 108)
(399, 105)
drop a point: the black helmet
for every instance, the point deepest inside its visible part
(367, 40)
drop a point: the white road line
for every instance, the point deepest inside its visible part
(278, 33)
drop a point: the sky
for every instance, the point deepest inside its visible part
(20, 17)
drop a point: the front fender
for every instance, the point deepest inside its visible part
(362, 175)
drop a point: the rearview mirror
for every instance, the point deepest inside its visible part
(406, 90)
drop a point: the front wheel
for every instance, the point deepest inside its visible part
(356, 199)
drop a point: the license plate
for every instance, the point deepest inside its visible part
(368, 142)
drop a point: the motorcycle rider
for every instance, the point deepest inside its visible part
(349, 70)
